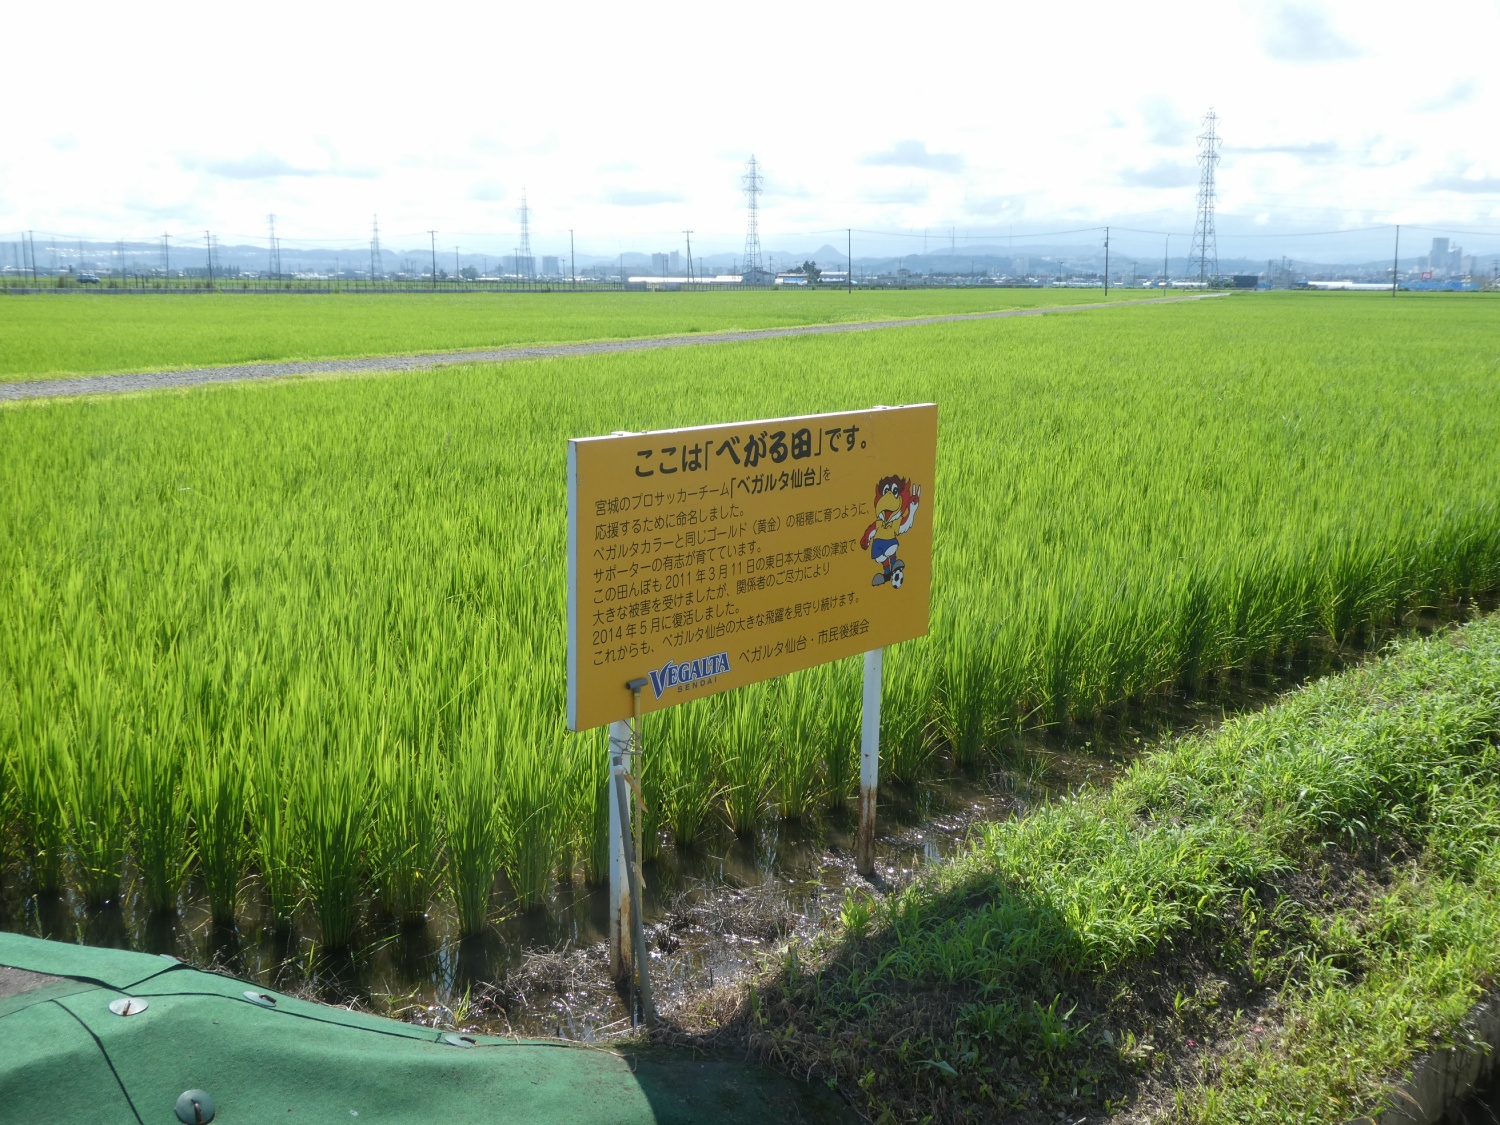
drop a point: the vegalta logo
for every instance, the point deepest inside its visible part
(689, 672)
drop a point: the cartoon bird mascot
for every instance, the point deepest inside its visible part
(895, 509)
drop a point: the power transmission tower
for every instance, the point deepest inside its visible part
(752, 183)
(689, 236)
(523, 252)
(273, 267)
(375, 269)
(1205, 250)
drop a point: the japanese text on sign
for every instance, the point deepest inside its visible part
(709, 558)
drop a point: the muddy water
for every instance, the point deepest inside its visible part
(710, 910)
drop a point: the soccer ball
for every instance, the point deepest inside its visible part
(897, 577)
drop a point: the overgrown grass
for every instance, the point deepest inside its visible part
(48, 337)
(316, 577)
(1330, 866)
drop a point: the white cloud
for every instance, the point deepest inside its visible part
(1328, 110)
(1302, 32)
(914, 154)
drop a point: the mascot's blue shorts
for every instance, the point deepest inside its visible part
(878, 547)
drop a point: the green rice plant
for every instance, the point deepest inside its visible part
(595, 796)
(529, 809)
(38, 773)
(159, 808)
(798, 740)
(744, 757)
(685, 763)
(908, 731)
(842, 705)
(276, 845)
(330, 804)
(216, 788)
(97, 813)
(475, 848)
(405, 841)
(970, 686)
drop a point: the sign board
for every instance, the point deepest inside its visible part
(709, 558)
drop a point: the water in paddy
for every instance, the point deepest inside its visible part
(710, 910)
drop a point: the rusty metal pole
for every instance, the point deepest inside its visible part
(621, 961)
(869, 764)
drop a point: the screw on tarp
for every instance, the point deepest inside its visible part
(460, 1040)
(128, 1006)
(194, 1107)
(264, 999)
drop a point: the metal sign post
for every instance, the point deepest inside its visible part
(869, 763)
(620, 960)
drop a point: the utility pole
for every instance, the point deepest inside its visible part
(1396, 261)
(271, 247)
(1106, 261)
(689, 235)
(1166, 256)
(849, 253)
(457, 272)
(209, 244)
(166, 256)
(572, 260)
(432, 234)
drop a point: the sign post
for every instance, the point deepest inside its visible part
(621, 963)
(869, 763)
(710, 558)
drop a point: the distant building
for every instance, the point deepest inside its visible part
(757, 277)
(1446, 260)
(550, 266)
(661, 263)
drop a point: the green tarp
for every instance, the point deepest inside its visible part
(66, 1057)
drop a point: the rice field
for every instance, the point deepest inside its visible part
(303, 643)
(52, 335)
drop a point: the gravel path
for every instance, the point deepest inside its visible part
(150, 381)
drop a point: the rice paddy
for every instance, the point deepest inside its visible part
(50, 336)
(302, 643)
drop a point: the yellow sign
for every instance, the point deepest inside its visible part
(709, 558)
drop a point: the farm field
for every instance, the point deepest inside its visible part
(303, 643)
(48, 335)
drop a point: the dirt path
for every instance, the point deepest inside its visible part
(149, 381)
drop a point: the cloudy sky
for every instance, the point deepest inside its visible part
(629, 123)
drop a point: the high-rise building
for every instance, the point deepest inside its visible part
(550, 267)
(1437, 261)
(659, 263)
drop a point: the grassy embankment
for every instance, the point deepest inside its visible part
(1269, 923)
(313, 632)
(49, 337)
